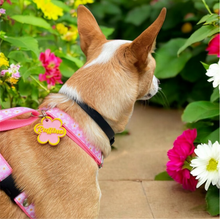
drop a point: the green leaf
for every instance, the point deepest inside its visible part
(214, 18)
(163, 176)
(24, 43)
(19, 56)
(65, 68)
(24, 88)
(213, 137)
(193, 70)
(33, 71)
(77, 61)
(204, 18)
(32, 20)
(35, 93)
(208, 19)
(200, 110)
(215, 95)
(212, 200)
(199, 35)
(168, 64)
(107, 31)
(137, 15)
(206, 66)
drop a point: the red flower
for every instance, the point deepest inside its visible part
(180, 155)
(51, 64)
(214, 46)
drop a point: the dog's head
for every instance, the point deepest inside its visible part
(117, 72)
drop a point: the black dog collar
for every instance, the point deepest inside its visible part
(99, 120)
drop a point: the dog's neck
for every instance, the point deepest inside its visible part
(93, 132)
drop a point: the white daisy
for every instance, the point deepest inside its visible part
(214, 73)
(206, 166)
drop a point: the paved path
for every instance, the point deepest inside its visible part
(127, 178)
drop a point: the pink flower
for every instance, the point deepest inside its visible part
(180, 156)
(2, 11)
(13, 71)
(51, 64)
(49, 60)
(3, 72)
(51, 77)
(16, 75)
(214, 46)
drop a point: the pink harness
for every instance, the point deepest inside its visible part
(73, 131)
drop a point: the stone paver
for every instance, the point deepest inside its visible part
(127, 178)
(169, 200)
(123, 199)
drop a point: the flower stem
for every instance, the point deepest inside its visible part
(9, 95)
(21, 5)
(207, 7)
(40, 84)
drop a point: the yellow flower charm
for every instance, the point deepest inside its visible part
(3, 60)
(50, 10)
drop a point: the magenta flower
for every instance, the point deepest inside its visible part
(180, 156)
(51, 64)
(214, 46)
(49, 60)
(51, 77)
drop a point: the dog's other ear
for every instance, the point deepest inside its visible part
(144, 43)
(89, 31)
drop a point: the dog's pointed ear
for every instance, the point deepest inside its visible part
(88, 29)
(143, 44)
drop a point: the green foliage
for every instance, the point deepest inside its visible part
(163, 176)
(25, 33)
(200, 110)
(170, 65)
(32, 20)
(215, 95)
(24, 43)
(212, 200)
(200, 34)
(138, 15)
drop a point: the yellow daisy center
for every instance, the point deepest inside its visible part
(212, 165)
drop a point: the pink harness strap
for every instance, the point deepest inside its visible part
(76, 134)
(6, 123)
(73, 131)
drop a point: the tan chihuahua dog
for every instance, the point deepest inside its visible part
(62, 181)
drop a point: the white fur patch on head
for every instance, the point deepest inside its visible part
(70, 92)
(108, 51)
(153, 89)
(154, 86)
